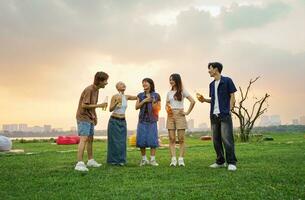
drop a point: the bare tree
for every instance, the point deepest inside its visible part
(247, 117)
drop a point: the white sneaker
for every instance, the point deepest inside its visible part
(173, 163)
(181, 162)
(154, 163)
(232, 167)
(80, 166)
(144, 162)
(93, 163)
(215, 166)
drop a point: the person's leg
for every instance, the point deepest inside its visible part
(153, 152)
(81, 148)
(83, 132)
(172, 142)
(228, 139)
(181, 135)
(216, 129)
(90, 147)
(144, 160)
(143, 151)
(153, 142)
(141, 138)
(90, 142)
(91, 162)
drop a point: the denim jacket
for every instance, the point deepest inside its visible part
(146, 112)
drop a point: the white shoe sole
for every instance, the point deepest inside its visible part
(219, 166)
(81, 170)
(94, 166)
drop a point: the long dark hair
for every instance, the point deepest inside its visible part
(151, 83)
(178, 84)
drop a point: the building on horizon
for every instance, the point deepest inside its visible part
(203, 126)
(57, 130)
(47, 128)
(302, 120)
(37, 129)
(162, 124)
(273, 120)
(295, 122)
(23, 127)
(73, 129)
(10, 127)
(190, 124)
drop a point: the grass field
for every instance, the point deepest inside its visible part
(266, 170)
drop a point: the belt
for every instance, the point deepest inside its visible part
(117, 118)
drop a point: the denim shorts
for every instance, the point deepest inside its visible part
(85, 128)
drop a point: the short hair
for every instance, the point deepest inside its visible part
(216, 65)
(118, 83)
(99, 77)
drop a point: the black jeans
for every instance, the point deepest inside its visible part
(222, 128)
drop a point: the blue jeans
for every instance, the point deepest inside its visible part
(85, 128)
(222, 128)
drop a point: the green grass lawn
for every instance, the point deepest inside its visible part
(266, 170)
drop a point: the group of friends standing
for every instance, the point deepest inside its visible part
(148, 102)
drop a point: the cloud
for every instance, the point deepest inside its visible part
(50, 50)
(249, 16)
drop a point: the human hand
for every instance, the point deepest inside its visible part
(183, 113)
(148, 100)
(200, 98)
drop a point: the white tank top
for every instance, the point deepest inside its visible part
(121, 110)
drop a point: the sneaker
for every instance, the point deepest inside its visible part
(154, 163)
(144, 162)
(93, 163)
(215, 166)
(232, 167)
(80, 166)
(181, 162)
(173, 163)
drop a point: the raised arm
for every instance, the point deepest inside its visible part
(202, 99)
(91, 106)
(131, 98)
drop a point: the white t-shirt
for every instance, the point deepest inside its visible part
(175, 104)
(216, 105)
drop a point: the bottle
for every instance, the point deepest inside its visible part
(105, 101)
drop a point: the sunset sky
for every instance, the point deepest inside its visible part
(50, 51)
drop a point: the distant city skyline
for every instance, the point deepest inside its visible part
(193, 125)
